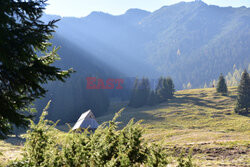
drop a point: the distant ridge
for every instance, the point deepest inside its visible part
(211, 39)
(135, 11)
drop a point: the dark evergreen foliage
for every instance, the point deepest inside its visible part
(25, 61)
(221, 86)
(159, 91)
(143, 92)
(152, 99)
(168, 82)
(243, 99)
(165, 89)
(143, 95)
(140, 93)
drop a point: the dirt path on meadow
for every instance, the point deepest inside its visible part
(206, 155)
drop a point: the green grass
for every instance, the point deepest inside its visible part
(196, 115)
(193, 116)
(199, 118)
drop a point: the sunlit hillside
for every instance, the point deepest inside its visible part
(199, 118)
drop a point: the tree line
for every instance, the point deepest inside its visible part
(232, 78)
(142, 94)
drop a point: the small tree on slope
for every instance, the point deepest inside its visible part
(243, 99)
(170, 87)
(222, 86)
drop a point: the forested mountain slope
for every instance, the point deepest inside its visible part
(192, 42)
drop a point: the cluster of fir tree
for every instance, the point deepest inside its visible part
(243, 97)
(142, 93)
(109, 146)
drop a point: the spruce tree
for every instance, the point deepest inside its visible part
(164, 92)
(140, 93)
(25, 61)
(170, 88)
(243, 98)
(160, 90)
(165, 89)
(160, 83)
(143, 93)
(221, 86)
(152, 99)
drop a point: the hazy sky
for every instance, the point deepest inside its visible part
(80, 8)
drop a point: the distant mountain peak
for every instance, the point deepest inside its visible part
(97, 13)
(200, 2)
(181, 5)
(136, 11)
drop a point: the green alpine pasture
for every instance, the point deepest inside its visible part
(200, 120)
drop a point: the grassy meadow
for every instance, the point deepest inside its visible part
(200, 120)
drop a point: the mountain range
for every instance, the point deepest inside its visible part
(190, 41)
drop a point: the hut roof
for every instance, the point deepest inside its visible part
(86, 120)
